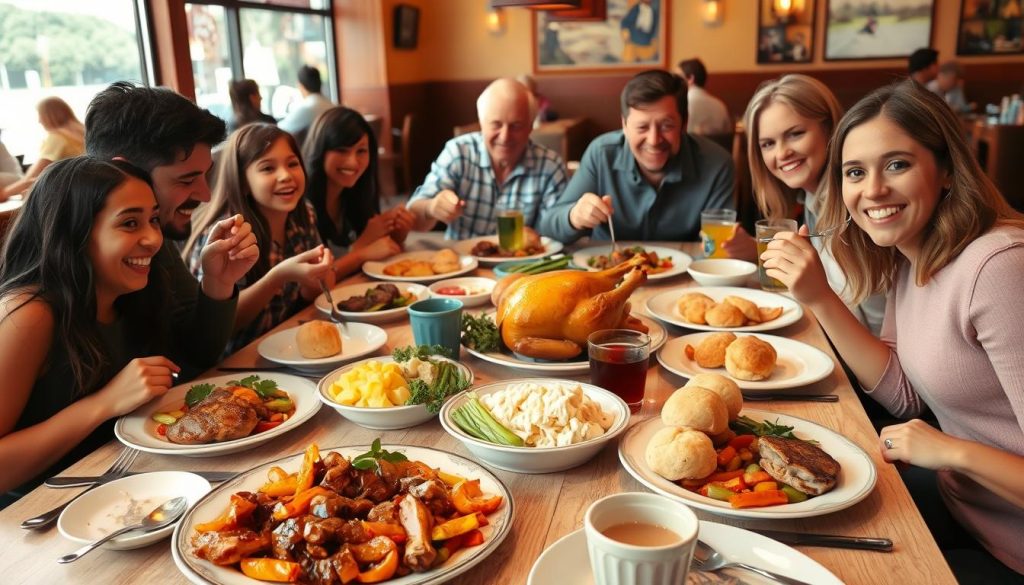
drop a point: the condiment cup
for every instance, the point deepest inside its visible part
(617, 563)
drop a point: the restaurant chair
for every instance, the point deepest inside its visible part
(401, 155)
(998, 149)
(466, 128)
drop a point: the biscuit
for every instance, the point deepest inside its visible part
(419, 268)
(725, 315)
(680, 453)
(769, 314)
(397, 268)
(693, 305)
(318, 339)
(710, 352)
(444, 261)
(724, 387)
(748, 308)
(750, 358)
(697, 408)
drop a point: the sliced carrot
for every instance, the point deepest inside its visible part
(741, 441)
(759, 499)
(726, 475)
(726, 455)
(766, 485)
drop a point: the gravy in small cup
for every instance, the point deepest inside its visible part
(641, 534)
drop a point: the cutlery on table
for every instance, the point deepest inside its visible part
(335, 314)
(611, 230)
(708, 559)
(163, 515)
(793, 397)
(84, 480)
(829, 540)
(120, 467)
(821, 234)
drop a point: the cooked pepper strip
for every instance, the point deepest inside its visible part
(455, 527)
(468, 499)
(393, 531)
(386, 567)
(307, 472)
(239, 510)
(758, 499)
(280, 488)
(274, 570)
(299, 504)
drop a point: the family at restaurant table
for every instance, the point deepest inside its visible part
(906, 253)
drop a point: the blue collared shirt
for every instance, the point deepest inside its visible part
(699, 177)
(464, 166)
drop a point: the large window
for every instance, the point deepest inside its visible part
(65, 48)
(264, 41)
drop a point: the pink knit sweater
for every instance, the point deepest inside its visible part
(958, 347)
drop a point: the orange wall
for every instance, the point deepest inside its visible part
(455, 45)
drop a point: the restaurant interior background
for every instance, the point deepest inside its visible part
(458, 49)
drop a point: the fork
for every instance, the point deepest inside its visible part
(119, 467)
(708, 559)
(335, 313)
(821, 234)
(611, 230)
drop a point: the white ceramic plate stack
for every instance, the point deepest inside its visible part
(357, 290)
(138, 429)
(798, 364)
(664, 306)
(213, 505)
(357, 340)
(465, 248)
(375, 269)
(856, 479)
(680, 260)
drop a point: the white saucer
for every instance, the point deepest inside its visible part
(735, 543)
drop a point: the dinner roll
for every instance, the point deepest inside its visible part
(722, 386)
(693, 305)
(710, 352)
(725, 315)
(318, 339)
(697, 408)
(748, 308)
(680, 453)
(750, 358)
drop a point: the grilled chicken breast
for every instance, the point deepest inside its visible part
(800, 464)
(221, 416)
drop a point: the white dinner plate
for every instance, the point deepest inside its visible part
(664, 306)
(357, 340)
(375, 269)
(578, 365)
(856, 478)
(213, 505)
(680, 260)
(357, 290)
(138, 429)
(736, 544)
(465, 248)
(798, 364)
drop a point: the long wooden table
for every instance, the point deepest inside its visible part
(547, 506)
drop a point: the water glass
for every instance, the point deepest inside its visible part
(437, 322)
(618, 362)
(717, 226)
(510, 227)
(764, 231)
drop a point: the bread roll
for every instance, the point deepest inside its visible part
(318, 339)
(724, 387)
(749, 358)
(725, 315)
(697, 408)
(693, 305)
(748, 308)
(679, 453)
(444, 261)
(710, 352)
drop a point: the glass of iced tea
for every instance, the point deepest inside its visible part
(510, 227)
(618, 362)
(717, 226)
(764, 231)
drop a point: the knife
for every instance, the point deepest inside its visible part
(73, 481)
(807, 539)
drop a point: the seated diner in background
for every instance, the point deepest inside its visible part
(499, 165)
(260, 178)
(652, 177)
(83, 318)
(245, 104)
(302, 114)
(341, 182)
(65, 138)
(930, 230)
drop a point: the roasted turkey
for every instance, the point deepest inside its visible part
(549, 316)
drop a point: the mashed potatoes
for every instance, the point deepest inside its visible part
(548, 416)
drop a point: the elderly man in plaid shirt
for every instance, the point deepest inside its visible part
(498, 166)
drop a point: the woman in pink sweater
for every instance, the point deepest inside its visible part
(931, 231)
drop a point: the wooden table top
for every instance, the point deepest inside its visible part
(547, 506)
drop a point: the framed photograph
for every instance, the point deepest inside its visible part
(633, 36)
(989, 27)
(407, 26)
(868, 29)
(785, 31)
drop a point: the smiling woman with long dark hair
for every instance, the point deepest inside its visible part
(78, 301)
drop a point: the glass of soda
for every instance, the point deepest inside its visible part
(510, 227)
(618, 362)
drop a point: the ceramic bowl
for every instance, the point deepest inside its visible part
(537, 459)
(478, 289)
(721, 271)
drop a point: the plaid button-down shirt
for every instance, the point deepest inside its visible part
(464, 166)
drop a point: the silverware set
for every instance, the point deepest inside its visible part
(708, 559)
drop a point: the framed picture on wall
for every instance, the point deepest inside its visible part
(407, 26)
(989, 27)
(633, 36)
(785, 31)
(868, 29)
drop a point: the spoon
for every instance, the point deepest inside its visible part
(163, 515)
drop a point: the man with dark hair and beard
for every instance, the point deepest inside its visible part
(171, 138)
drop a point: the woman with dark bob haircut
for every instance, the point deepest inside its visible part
(929, 229)
(79, 308)
(341, 166)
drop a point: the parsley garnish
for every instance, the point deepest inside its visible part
(371, 459)
(265, 388)
(404, 354)
(480, 333)
(197, 393)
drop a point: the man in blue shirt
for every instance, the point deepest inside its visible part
(477, 172)
(651, 178)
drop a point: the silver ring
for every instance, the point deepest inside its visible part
(888, 444)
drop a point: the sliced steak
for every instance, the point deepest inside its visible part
(798, 463)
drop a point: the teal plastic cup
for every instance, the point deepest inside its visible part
(437, 322)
